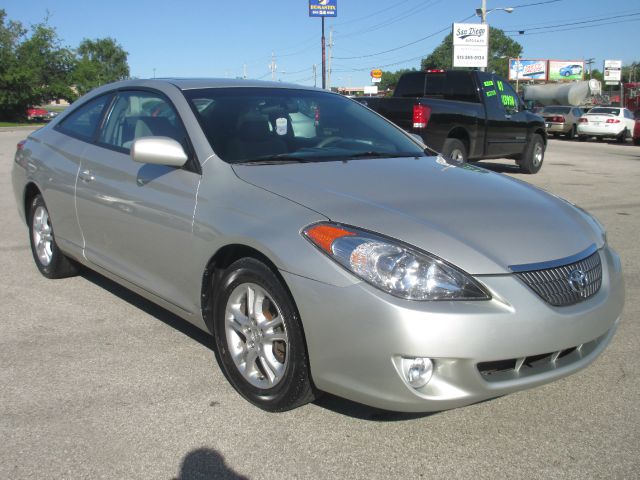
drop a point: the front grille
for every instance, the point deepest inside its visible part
(533, 365)
(553, 286)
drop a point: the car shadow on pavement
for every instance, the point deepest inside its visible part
(500, 167)
(348, 408)
(204, 464)
(149, 307)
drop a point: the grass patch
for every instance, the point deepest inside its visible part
(21, 124)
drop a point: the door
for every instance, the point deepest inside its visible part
(506, 119)
(137, 219)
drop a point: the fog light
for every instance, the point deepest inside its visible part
(417, 371)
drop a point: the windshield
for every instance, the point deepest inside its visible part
(247, 124)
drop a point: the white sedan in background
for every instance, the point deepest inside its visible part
(606, 122)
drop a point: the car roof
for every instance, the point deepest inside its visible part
(199, 83)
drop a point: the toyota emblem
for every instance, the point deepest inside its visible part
(578, 282)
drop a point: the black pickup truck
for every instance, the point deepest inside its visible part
(466, 115)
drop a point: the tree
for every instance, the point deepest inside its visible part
(501, 48)
(34, 69)
(98, 62)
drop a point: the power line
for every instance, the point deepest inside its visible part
(403, 46)
(574, 23)
(575, 28)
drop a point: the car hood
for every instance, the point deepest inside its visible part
(481, 221)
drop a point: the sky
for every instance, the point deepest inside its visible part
(214, 38)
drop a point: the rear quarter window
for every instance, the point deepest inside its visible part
(83, 122)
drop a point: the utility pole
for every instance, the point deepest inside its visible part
(330, 53)
(273, 67)
(588, 62)
(483, 17)
(244, 71)
(315, 75)
(324, 61)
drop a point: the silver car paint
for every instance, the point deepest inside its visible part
(155, 230)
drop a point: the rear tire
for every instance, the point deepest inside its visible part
(454, 149)
(623, 136)
(260, 344)
(582, 138)
(51, 262)
(571, 134)
(533, 156)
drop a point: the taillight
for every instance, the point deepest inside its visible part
(613, 120)
(435, 70)
(583, 120)
(20, 145)
(557, 119)
(421, 115)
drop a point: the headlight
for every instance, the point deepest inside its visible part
(393, 267)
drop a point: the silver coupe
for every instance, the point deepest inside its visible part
(324, 248)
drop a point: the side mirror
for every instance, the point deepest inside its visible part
(158, 151)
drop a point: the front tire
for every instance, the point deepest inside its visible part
(51, 262)
(533, 156)
(454, 149)
(259, 339)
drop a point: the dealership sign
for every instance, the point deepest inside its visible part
(523, 69)
(470, 44)
(566, 70)
(612, 71)
(323, 8)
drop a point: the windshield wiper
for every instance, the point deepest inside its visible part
(278, 159)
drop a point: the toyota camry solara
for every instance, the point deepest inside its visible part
(323, 248)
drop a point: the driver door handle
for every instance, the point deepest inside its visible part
(86, 176)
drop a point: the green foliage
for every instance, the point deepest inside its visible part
(501, 48)
(389, 80)
(99, 61)
(36, 69)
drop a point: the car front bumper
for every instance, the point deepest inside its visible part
(357, 335)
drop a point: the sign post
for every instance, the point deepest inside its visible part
(323, 8)
(613, 75)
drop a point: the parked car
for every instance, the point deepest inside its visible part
(37, 114)
(636, 128)
(606, 122)
(569, 70)
(561, 120)
(352, 261)
(466, 115)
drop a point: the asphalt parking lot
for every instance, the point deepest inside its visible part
(96, 382)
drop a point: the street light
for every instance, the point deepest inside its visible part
(482, 12)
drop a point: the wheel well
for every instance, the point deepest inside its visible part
(215, 269)
(462, 135)
(30, 193)
(543, 134)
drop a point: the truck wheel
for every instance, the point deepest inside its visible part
(454, 149)
(533, 156)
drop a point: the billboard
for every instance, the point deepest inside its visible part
(527, 69)
(566, 70)
(612, 71)
(470, 44)
(323, 8)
